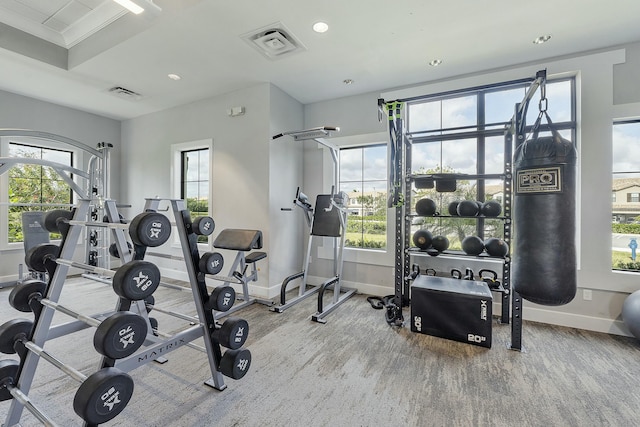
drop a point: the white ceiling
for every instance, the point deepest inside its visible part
(379, 44)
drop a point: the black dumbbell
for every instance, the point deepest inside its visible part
(211, 263)
(134, 281)
(203, 225)
(232, 334)
(150, 229)
(100, 397)
(222, 298)
(118, 336)
(235, 363)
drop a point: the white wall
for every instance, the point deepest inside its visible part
(252, 177)
(20, 112)
(286, 231)
(596, 112)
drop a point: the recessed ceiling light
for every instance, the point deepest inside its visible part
(320, 27)
(435, 62)
(174, 76)
(542, 39)
(347, 81)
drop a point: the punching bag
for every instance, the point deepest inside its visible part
(544, 259)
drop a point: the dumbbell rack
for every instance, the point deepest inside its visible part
(43, 330)
(160, 346)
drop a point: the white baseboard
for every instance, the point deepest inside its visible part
(534, 314)
(578, 321)
(10, 278)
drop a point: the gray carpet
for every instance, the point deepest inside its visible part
(356, 371)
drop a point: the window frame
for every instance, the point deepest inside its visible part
(76, 160)
(177, 151)
(358, 255)
(363, 181)
(630, 197)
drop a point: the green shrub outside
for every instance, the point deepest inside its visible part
(626, 228)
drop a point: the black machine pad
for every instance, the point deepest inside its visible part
(238, 240)
(326, 223)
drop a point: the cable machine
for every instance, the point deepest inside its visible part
(93, 185)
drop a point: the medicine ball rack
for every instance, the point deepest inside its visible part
(402, 179)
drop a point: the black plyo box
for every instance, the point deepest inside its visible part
(454, 309)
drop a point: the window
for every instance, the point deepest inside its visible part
(32, 186)
(464, 133)
(363, 176)
(626, 184)
(192, 172)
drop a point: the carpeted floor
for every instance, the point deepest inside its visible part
(355, 371)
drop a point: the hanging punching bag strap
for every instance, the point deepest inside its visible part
(562, 151)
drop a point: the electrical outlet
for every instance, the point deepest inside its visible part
(587, 294)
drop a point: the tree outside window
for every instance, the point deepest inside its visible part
(363, 176)
(33, 185)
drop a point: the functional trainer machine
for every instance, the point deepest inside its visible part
(91, 184)
(327, 219)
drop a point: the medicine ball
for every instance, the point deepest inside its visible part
(496, 247)
(468, 208)
(426, 207)
(631, 313)
(472, 245)
(440, 243)
(422, 239)
(453, 208)
(491, 208)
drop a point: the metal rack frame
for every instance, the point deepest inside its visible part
(401, 143)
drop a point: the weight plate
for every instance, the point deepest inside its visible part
(149, 302)
(12, 331)
(103, 395)
(50, 222)
(22, 293)
(211, 263)
(150, 229)
(8, 373)
(233, 333)
(36, 256)
(222, 299)
(154, 325)
(136, 280)
(120, 335)
(113, 249)
(235, 363)
(203, 225)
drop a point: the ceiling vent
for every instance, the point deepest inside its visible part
(123, 93)
(274, 41)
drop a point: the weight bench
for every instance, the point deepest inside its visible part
(242, 241)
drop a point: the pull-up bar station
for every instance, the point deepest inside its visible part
(327, 219)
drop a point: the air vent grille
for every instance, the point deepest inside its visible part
(124, 93)
(274, 41)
